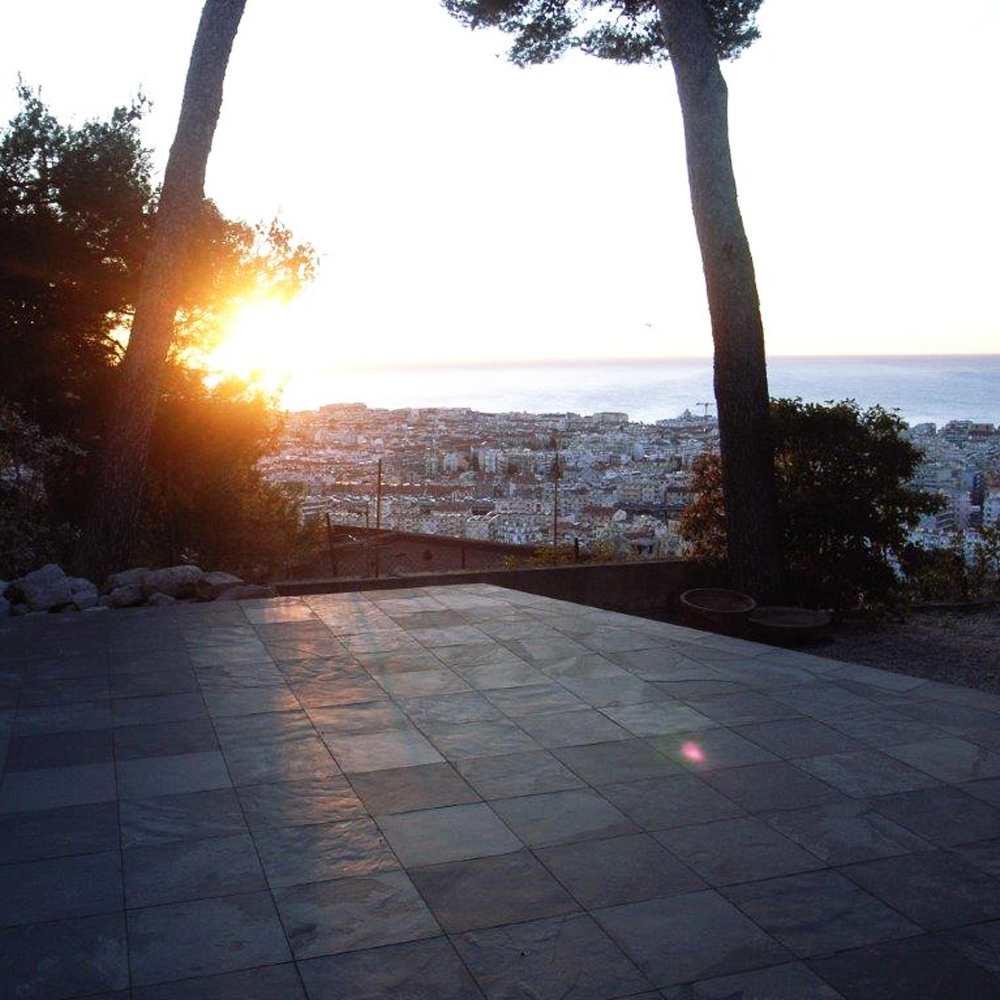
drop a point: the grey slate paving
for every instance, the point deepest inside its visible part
(194, 793)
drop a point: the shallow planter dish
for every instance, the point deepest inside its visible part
(725, 610)
(791, 625)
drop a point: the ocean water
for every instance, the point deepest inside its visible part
(922, 388)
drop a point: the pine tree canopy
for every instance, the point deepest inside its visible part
(625, 31)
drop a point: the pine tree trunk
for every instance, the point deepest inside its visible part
(109, 532)
(747, 453)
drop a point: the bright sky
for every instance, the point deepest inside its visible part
(468, 210)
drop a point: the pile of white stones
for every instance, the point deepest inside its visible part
(49, 589)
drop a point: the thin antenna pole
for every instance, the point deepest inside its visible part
(378, 515)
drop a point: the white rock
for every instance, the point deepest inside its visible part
(158, 599)
(125, 597)
(212, 584)
(84, 592)
(175, 581)
(46, 588)
(126, 578)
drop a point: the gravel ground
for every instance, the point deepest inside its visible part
(956, 647)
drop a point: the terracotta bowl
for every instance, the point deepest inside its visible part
(718, 608)
(790, 625)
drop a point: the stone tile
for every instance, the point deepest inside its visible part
(562, 817)
(956, 719)
(744, 849)
(862, 773)
(585, 666)
(988, 790)
(513, 673)
(53, 833)
(138, 685)
(904, 970)
(742, 708)
(880, 727)
(450, 709)
(348, 914)
(416, 970)
(172, 775)
(486, 892)
(480, 739)
(190, 816)
(944, 816)
(980, 943)
(378, 751)
(165, 738)
(158, 708)
(366, 717)
(561, 958)
(545, 649)
(450, 833)
(454, 635)
(59, 888)
(845, 832)
(299, 803)
(618, 870)
(950, 759)
(517, 774)
(282, 610)
(54, 787)
(293, 855)
(380, 640)
(62, 690)
(570, 729)
(656, 718)
(601, 692)
(793, 981)
(281, 746)
(172, 873)
(791, 738)
(63, 718)
(401, 661)
(405, 789)
(420, 683)
(985, 855)
(534, 699)
(239, 676)
(250, 701)
(935, 889)
(761, 787)
(270, 982)
(685, 938)
(710, 749)
(352, 689)
(30, 753)
(662, 803)
(624, 760)
(326, 668)
(816, 913)
(204, 937)
(230, 653)
(64, 958)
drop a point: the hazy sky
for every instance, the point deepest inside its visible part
(466, 209)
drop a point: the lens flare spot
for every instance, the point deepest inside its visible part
(693, 752)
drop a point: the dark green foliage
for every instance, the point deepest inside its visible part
(625, 31)
(30, 466)
(958, 573)
(76, 209)
(844, 499)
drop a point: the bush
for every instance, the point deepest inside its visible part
(844, 499)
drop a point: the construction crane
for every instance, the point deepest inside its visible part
(705, 411)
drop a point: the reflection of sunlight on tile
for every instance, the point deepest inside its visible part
(693, 752)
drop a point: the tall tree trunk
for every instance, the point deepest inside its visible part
(109, 532)
(747, 452)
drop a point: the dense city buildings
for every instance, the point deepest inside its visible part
(601, 481)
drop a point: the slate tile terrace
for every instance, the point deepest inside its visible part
(470, 792)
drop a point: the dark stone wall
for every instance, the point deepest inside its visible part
(635, 587)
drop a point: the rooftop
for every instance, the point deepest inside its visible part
(467, 792)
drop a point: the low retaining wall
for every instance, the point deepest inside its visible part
(634, 587)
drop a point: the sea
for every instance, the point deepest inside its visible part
(920, 388)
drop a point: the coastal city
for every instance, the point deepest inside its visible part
(598, 481)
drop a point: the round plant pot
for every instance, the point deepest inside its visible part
(718, 609)
(789, 625)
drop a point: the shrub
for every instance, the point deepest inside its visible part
(844, 499)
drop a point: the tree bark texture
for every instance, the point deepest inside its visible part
(752, 534)
(109, 532)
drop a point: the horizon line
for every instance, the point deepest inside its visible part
(552, 362)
